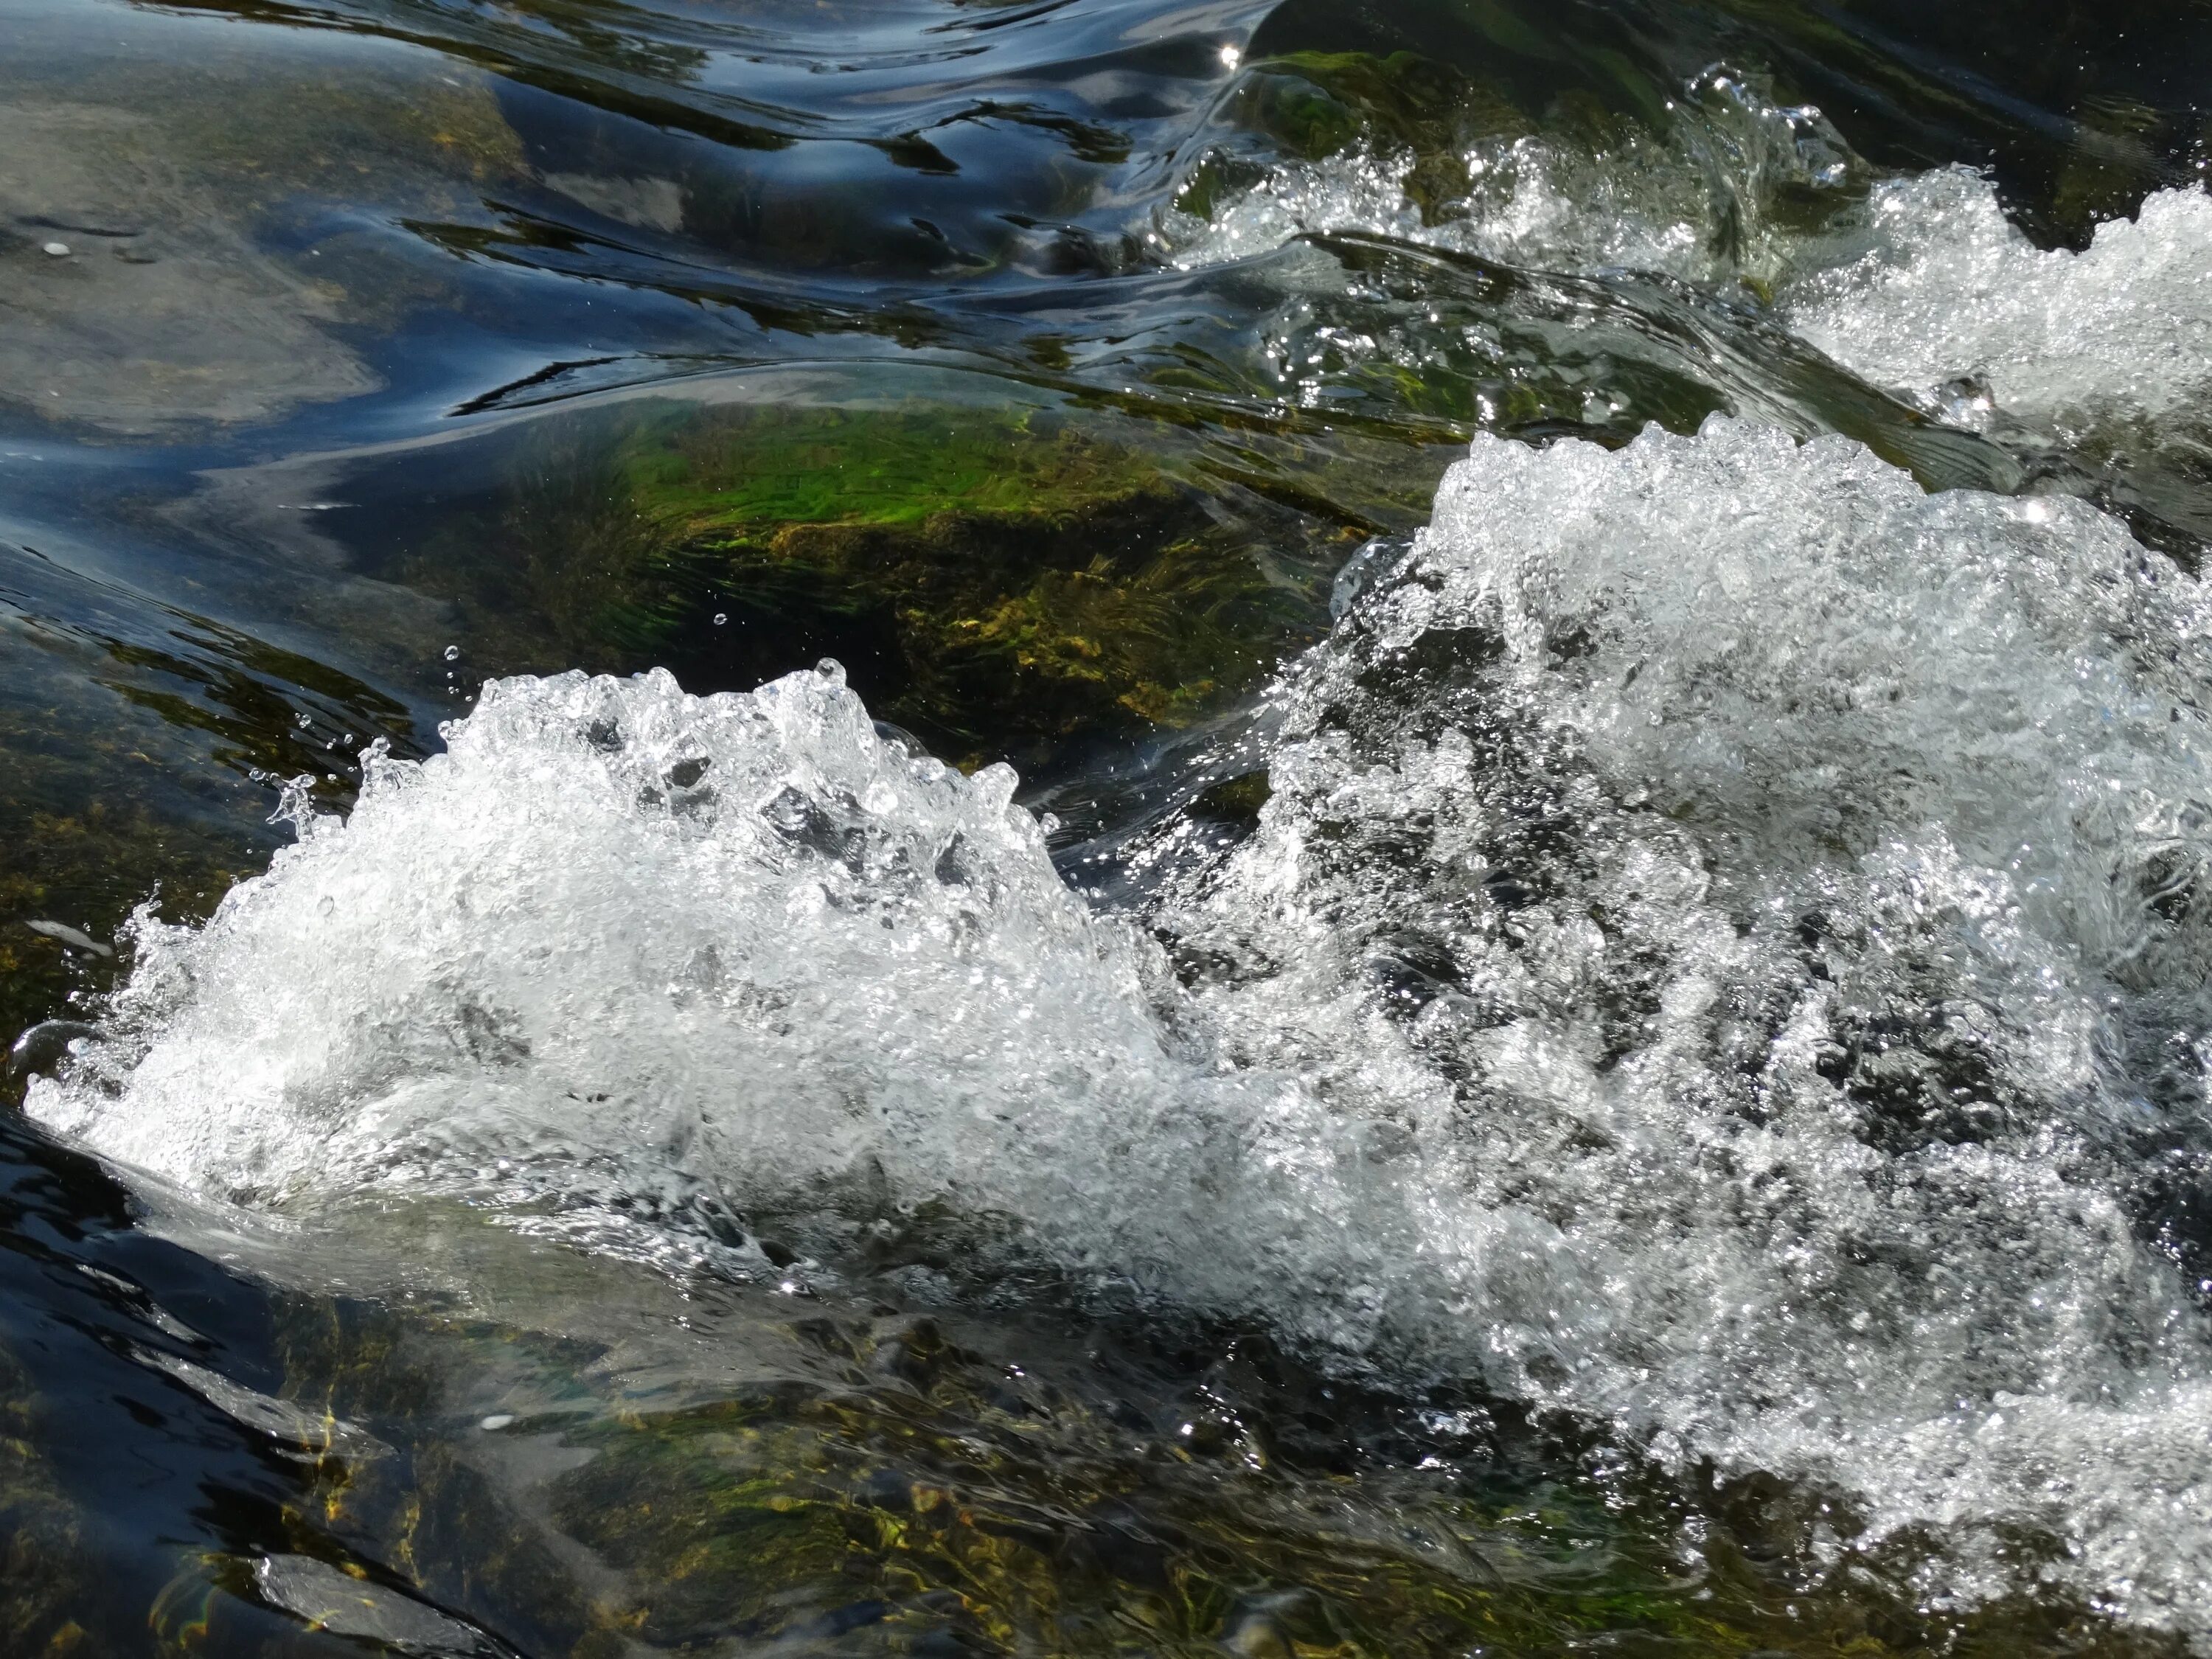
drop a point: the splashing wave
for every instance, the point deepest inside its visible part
(1705, 203)
(1726, 955)
(1919, 285)
(1946, 289)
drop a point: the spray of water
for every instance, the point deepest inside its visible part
(1725, 955)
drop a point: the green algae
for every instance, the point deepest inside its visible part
(988, 574)
(1023, 564)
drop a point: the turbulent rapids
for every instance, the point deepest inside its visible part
(1726, 954)
(1920, 285)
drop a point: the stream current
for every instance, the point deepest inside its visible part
(1549, 990)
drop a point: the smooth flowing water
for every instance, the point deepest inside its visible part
(962, 826)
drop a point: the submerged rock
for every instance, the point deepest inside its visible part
(988, 574)
(686, 1461)
(167, 248)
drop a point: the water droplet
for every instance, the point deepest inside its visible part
(59, 249)
(497, 1421)
(720, 616)
(303, 721)
(831, 670)
(452, 653)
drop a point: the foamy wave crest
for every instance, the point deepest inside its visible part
(627, 949)
(1774, 899)
(1726, 955)
(1945, 289)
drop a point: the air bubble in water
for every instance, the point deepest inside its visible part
(1712, 929)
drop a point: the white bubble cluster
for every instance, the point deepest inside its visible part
(1767, 903)
(1943, 288)
(1725, 955)
(616, 928)
(628, 950)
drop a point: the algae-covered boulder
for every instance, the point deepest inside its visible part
(989, 575)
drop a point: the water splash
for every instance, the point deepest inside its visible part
(1725, 956)
(1919, 285)
(1933, 291)
(622, 951)
(1707, 201)
(1770, 899)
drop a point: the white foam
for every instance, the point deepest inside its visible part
(1724, 925)
(619, 945)
(1923, 286)
(617, 928)
(1656, 795)
(1944, 287)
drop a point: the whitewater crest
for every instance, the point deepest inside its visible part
(620, 952)
(1774, 899)
(616, 934)
(1929, 286)
(1918, 285)
(1725, 954)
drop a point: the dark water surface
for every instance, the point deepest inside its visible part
(353, 353)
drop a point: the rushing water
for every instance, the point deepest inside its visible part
(1103, 826)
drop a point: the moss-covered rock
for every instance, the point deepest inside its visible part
(987, 574)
